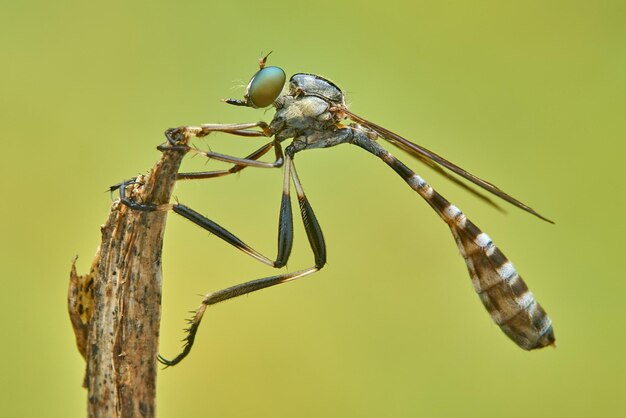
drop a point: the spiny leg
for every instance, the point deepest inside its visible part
(316, 241)
(222, 295)
(501, 289)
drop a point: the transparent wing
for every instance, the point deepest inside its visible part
(430, 157)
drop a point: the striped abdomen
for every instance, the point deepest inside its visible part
(501, 289)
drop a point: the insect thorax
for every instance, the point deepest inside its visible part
(306, 111)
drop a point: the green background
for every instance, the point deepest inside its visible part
(529, 95)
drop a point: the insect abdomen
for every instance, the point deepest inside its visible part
(502, 291)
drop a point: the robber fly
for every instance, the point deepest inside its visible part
(313, 113)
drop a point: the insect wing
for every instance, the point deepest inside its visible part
(424, 154)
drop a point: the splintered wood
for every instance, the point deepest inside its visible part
(115, 309)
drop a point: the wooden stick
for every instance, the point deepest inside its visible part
(115, 309)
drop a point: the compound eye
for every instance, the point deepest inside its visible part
(265, 86)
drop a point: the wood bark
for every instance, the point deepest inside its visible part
(115, 309)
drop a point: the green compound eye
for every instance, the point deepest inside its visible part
(265, 86)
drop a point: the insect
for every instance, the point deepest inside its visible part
(313, 113)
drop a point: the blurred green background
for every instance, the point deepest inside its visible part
(529, 95)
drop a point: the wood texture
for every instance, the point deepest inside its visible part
(115, 309)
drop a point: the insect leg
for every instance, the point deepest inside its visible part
(178, 138)
(225, 294)
(501, 289)
(311, 226)
(316, 240)
(234, 169)
(285, 225)
(246, 162)
(180, 135)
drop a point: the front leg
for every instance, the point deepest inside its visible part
(178, 137)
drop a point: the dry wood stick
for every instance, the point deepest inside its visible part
(115, 309)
